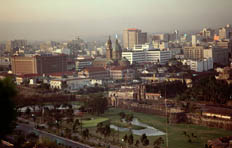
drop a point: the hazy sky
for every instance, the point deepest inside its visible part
(64, 19)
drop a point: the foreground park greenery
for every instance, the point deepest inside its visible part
(94, 129)
(8, 111)
(89, 121)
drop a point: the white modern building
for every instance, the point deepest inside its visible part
(157, 56)
(134, 56)
(147, 56)
(200, 65)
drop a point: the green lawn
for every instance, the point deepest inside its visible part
(176, 138)
(93, 122)
(175, 131)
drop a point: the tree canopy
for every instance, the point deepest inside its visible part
(8, 111)
(208, 89)
(96, 104)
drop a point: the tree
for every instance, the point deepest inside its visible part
(76, 124)
(144, 140)
(8, 111)
(96, 104)
(129, 117)
(28, 111)
(157, 143)
(125, 138)
(85, 133)
(131, 139)
(122, 115)
(99, 128)
(103, 130)
(137, 143)
(107, 130)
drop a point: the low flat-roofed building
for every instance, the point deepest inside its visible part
(94, 73)
(122, 73)
(70, 84)
(152, 96)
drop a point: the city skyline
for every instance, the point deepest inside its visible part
(60, 20)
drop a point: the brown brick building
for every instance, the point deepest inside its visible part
(39, 64)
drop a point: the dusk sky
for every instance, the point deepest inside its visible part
(64, 19)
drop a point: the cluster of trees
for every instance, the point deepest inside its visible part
(96, 104)
(8, 110)
(103, 129)
(190, 136)
(170, 89)
(88, 90)
(129, 139)
(208, 89)
(22, 100)
(127, 117)
(143, 140)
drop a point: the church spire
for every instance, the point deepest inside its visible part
(109, 49)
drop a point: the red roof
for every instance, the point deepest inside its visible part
(94, 69)
(5, 74)
(29, 75)
(119, 68)
(70, 73)
(132, 29)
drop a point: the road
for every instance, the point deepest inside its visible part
(59, 140)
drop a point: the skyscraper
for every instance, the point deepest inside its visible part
(225, 32)
(10, 45)
(132, 37)
(194, 40)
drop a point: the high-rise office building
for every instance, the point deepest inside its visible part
(132, 37)
(10, 45)
(195, 53)
(194, 40)
(225, 32)
(207, 33)
(219, 55)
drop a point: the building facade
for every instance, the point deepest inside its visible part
(94, 73)
(10, 45)
(38, 64)
(200, 65)
(147, 56)
(132, 37)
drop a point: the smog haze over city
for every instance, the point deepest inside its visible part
(116, 73)
(91, 19)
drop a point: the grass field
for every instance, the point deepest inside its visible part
(176, 138)
(93, 122)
